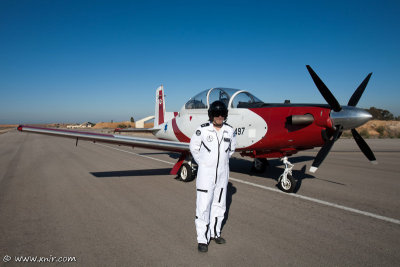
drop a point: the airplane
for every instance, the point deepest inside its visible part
(263, 130)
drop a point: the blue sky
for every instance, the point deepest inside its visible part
(75, 61)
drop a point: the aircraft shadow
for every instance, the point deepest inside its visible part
(274, 170)
(148, 172)
(170, 154)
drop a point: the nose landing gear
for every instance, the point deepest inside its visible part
(286, 182)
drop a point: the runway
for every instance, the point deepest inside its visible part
(110, 205)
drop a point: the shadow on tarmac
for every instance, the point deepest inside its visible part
(273, 170)
(149, 172)
(238, 165)
(172, 155)
(230, 191)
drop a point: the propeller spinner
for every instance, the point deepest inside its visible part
(343, 118)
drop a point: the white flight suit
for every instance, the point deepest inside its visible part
(211, 149)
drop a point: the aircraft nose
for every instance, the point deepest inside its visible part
(350, 117)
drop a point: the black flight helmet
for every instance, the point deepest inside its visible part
(217, 108)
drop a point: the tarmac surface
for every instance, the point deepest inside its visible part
(110, 205)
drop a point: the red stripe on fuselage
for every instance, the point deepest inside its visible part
(160, 108)
(181, 137)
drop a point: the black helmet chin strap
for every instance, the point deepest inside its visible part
(218, 125)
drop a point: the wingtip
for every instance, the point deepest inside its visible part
(374, 162)
(313, 169)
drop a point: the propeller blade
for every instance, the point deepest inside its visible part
(358, 92)
(364, 146)
(324, 90)
(323, 152)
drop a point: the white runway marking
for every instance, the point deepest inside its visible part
(322, 202)
(326, 203)
(129, 152)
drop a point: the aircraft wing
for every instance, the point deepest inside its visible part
(136, 130)
(110, 138)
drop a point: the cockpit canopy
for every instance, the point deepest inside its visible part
(233, 98)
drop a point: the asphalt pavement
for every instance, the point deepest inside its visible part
(107, 205)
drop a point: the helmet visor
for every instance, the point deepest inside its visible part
(217, 113)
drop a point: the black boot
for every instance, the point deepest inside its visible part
(202, 247)
(220, 240)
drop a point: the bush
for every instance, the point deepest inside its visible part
(364, 133)
(347, 134)
(381, 131)
(393, 132)
(122, 126)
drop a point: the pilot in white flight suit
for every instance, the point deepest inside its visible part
(211, 146)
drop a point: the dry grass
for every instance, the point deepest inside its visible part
(378, 129)
(382, 129)
(8, 125)
(113, 125)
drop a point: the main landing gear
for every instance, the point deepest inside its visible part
(188, 171)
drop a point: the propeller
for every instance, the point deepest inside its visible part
(323, 89)
(348, 116)
(358, 92)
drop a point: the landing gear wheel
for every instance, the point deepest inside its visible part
(259, 165)
(186, 173)
(287, 186)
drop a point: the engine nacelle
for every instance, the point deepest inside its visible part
(300, 119)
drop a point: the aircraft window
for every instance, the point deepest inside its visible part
(197, 102)
(221, 94)
(245, 100)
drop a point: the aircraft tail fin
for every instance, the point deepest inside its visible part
(159, 114)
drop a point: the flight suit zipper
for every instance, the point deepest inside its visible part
(219, 144)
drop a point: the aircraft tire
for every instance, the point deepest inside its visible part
(186, 173)
(288, 187)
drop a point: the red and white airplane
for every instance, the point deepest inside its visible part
(263, 130)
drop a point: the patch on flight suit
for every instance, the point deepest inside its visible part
(198, 132)
(205, 124)
(227, 139)
(209, 138)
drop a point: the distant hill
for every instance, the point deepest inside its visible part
(378, 129)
